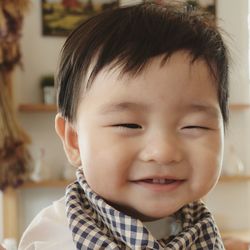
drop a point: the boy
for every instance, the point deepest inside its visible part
(143, 103)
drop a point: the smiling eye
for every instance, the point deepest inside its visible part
(196, 127)
(128, 125)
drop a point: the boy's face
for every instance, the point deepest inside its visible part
(152, 143)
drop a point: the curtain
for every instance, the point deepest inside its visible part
(15, 160)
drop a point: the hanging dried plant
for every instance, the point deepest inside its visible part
(11, 16)
(15, 159)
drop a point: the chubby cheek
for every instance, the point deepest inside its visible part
(206, 164)
(104, 164)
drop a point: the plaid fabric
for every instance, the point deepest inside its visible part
(97, 225)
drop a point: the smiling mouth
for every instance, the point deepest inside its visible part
(159, 181)
(159, 184)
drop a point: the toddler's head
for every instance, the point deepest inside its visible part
(143, 96)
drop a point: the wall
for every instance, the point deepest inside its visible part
(233, 18)
(230, 202)
(40, 55)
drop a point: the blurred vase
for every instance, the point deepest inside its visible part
(232, 164)
(41, 170)
(69, 172)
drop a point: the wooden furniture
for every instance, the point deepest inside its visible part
(37, 108)
(10, 212)
(242, 234)
(11, 201)
(235, 178)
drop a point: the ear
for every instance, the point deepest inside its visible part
(68, 135)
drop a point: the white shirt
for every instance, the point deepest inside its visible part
(50, 231)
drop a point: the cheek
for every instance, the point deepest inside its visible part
(215, 152)
(104, 162)
(206, 163)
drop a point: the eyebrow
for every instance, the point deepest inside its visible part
(126, 106)
(205, 108)
(121, 106)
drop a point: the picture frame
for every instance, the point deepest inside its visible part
(60, 17)
(208, 6)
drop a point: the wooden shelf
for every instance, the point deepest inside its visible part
(239, 106)
(38, 107)
(236, 178)
(46, 184)
(240, 234)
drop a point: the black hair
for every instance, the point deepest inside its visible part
(130, 37)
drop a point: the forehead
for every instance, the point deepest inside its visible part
(179, 66)
(119, 68)
(178, 81)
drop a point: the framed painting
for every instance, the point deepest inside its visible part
(208, 6)
(59, 17)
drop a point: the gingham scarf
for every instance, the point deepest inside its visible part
(97, 225)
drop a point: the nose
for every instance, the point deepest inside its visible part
(163, 149)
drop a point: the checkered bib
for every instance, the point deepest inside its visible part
(97, 225)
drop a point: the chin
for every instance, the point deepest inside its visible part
(158, 214)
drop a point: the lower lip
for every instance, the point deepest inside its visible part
(159, 187)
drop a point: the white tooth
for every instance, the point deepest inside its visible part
(161, 181)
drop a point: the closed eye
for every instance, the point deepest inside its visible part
(128, 125)
(196, 127)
